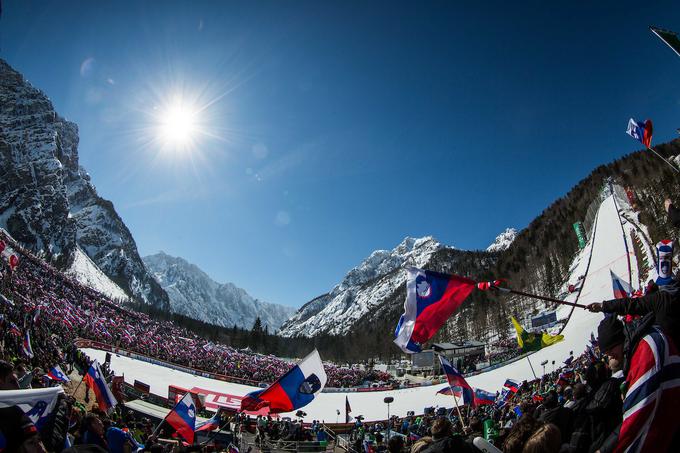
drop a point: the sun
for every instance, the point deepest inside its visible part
(178, 125)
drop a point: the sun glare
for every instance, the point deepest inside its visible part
(178, 125)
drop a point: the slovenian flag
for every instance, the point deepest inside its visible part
(641, 132)
(56, 374)
(431, 298)
(621, 288)
(26, 345)
(295, 389)
(512, 385)
(455, 379)
(94, 378)
(483, 397)
(182, 417)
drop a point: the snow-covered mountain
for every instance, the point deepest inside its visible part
(363, 290)
(194, 294)
(503, 240)
(47, 201)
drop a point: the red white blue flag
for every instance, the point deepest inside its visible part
(94, 378)
(26, 345)
(482, 397)
(455, 379)
(621, 288)
(431, 298)
(295, 389)
(512, 385)
(56, 374)
(640, 131)
(182, 417)
(211, 424)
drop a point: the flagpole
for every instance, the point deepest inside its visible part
(532, 367)
(536, 296)
(455, 400)
(663, 158)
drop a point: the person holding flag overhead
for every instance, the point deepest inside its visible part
(295, 389)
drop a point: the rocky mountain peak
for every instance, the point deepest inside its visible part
(47, 201)
(195, 294)
(503, 240)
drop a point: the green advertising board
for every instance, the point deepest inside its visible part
(580, 234)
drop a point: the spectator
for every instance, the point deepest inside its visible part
(645, 356)
(546, 439)
(8, 378)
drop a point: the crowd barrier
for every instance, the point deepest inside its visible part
(84, 343)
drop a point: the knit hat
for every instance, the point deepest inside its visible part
(15, 428)
(610, 333)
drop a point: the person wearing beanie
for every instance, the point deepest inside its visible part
(18, 433)
(663, 304)
(648, 358)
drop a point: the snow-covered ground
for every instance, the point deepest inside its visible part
(87, 273)
(608, 252)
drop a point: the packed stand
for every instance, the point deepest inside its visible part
(57, 310)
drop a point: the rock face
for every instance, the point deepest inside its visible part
(194, 294)
(503, 240)
(47, 201)
(363, 290)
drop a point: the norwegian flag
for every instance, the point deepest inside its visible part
(649, 408)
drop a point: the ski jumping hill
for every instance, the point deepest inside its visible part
(606, 250)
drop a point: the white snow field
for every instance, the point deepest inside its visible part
(608, 252)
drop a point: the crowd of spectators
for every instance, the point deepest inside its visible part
(57, 310)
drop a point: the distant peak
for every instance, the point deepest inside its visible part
(503, 240)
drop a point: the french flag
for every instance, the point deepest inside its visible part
(56, 374)
(456, 379)
(295, 389)
(94, 378)
(512, 385)
(183, 418)
(211, 424)
(431, 298)
(621, 288)
(483, 397)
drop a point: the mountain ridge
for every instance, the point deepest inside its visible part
(195, 294)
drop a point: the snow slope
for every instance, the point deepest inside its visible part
(608, 252)
(87, 273)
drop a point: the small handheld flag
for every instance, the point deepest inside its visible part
(482, 397)
(621, 288)
(26, 345)
(455, 379)
(431, 298)
(182, 417)
(94, 378)
(211, 424)
(56, 374)
(640, 131)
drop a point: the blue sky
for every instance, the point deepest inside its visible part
(331, 129)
